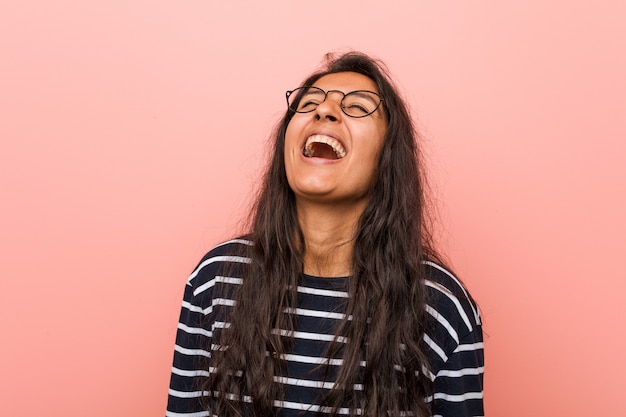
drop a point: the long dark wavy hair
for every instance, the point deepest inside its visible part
(386, 289)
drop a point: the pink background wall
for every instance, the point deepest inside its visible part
(126, 153)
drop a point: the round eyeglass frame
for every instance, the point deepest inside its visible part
(289, 93)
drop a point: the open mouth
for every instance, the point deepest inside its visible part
(320, 146)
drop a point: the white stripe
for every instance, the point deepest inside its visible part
(312, 384)
(325, 293)
(459, 398)
(310, 336)
(316, 313)
(215, 346)
(430, 342)
(186, 394)
(470, 346)
(191, 307)
(219, 278)
(184, 372)
(208, 310)
(461, 372)
(426, 372)
(192, 352)
(452, 298)
(233, 397)
(444, 322)
(224, 258)
(242, 241)
(311, 407)
(228, 280)
(451, 275)
(222, 302)
(194, 330)
(313, 360)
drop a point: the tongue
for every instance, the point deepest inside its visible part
(322, 150)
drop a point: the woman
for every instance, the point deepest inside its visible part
(336, 303)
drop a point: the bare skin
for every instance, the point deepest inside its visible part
(329, 238)
(331, 193)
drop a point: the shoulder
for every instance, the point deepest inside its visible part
(449, 295)
(453, 315)
(230, 248)
(222, 264)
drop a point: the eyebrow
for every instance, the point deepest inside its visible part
(313, 90)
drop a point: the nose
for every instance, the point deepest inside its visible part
(330, 108)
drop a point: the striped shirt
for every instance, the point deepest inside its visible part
(453, 340)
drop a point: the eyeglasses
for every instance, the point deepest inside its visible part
(358, 103)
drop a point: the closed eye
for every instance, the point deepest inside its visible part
(356, 107)
(308, 104)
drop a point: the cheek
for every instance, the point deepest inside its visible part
(371, 161)
(375, 148)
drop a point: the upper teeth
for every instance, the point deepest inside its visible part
(332, 142)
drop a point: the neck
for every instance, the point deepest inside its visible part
(329, 232)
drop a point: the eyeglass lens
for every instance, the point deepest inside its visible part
(355, 103)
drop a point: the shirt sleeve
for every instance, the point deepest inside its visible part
(192, 340)
(207, 301)
(459, 382)
(454, 346)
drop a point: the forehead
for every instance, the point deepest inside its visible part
(346, 82)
